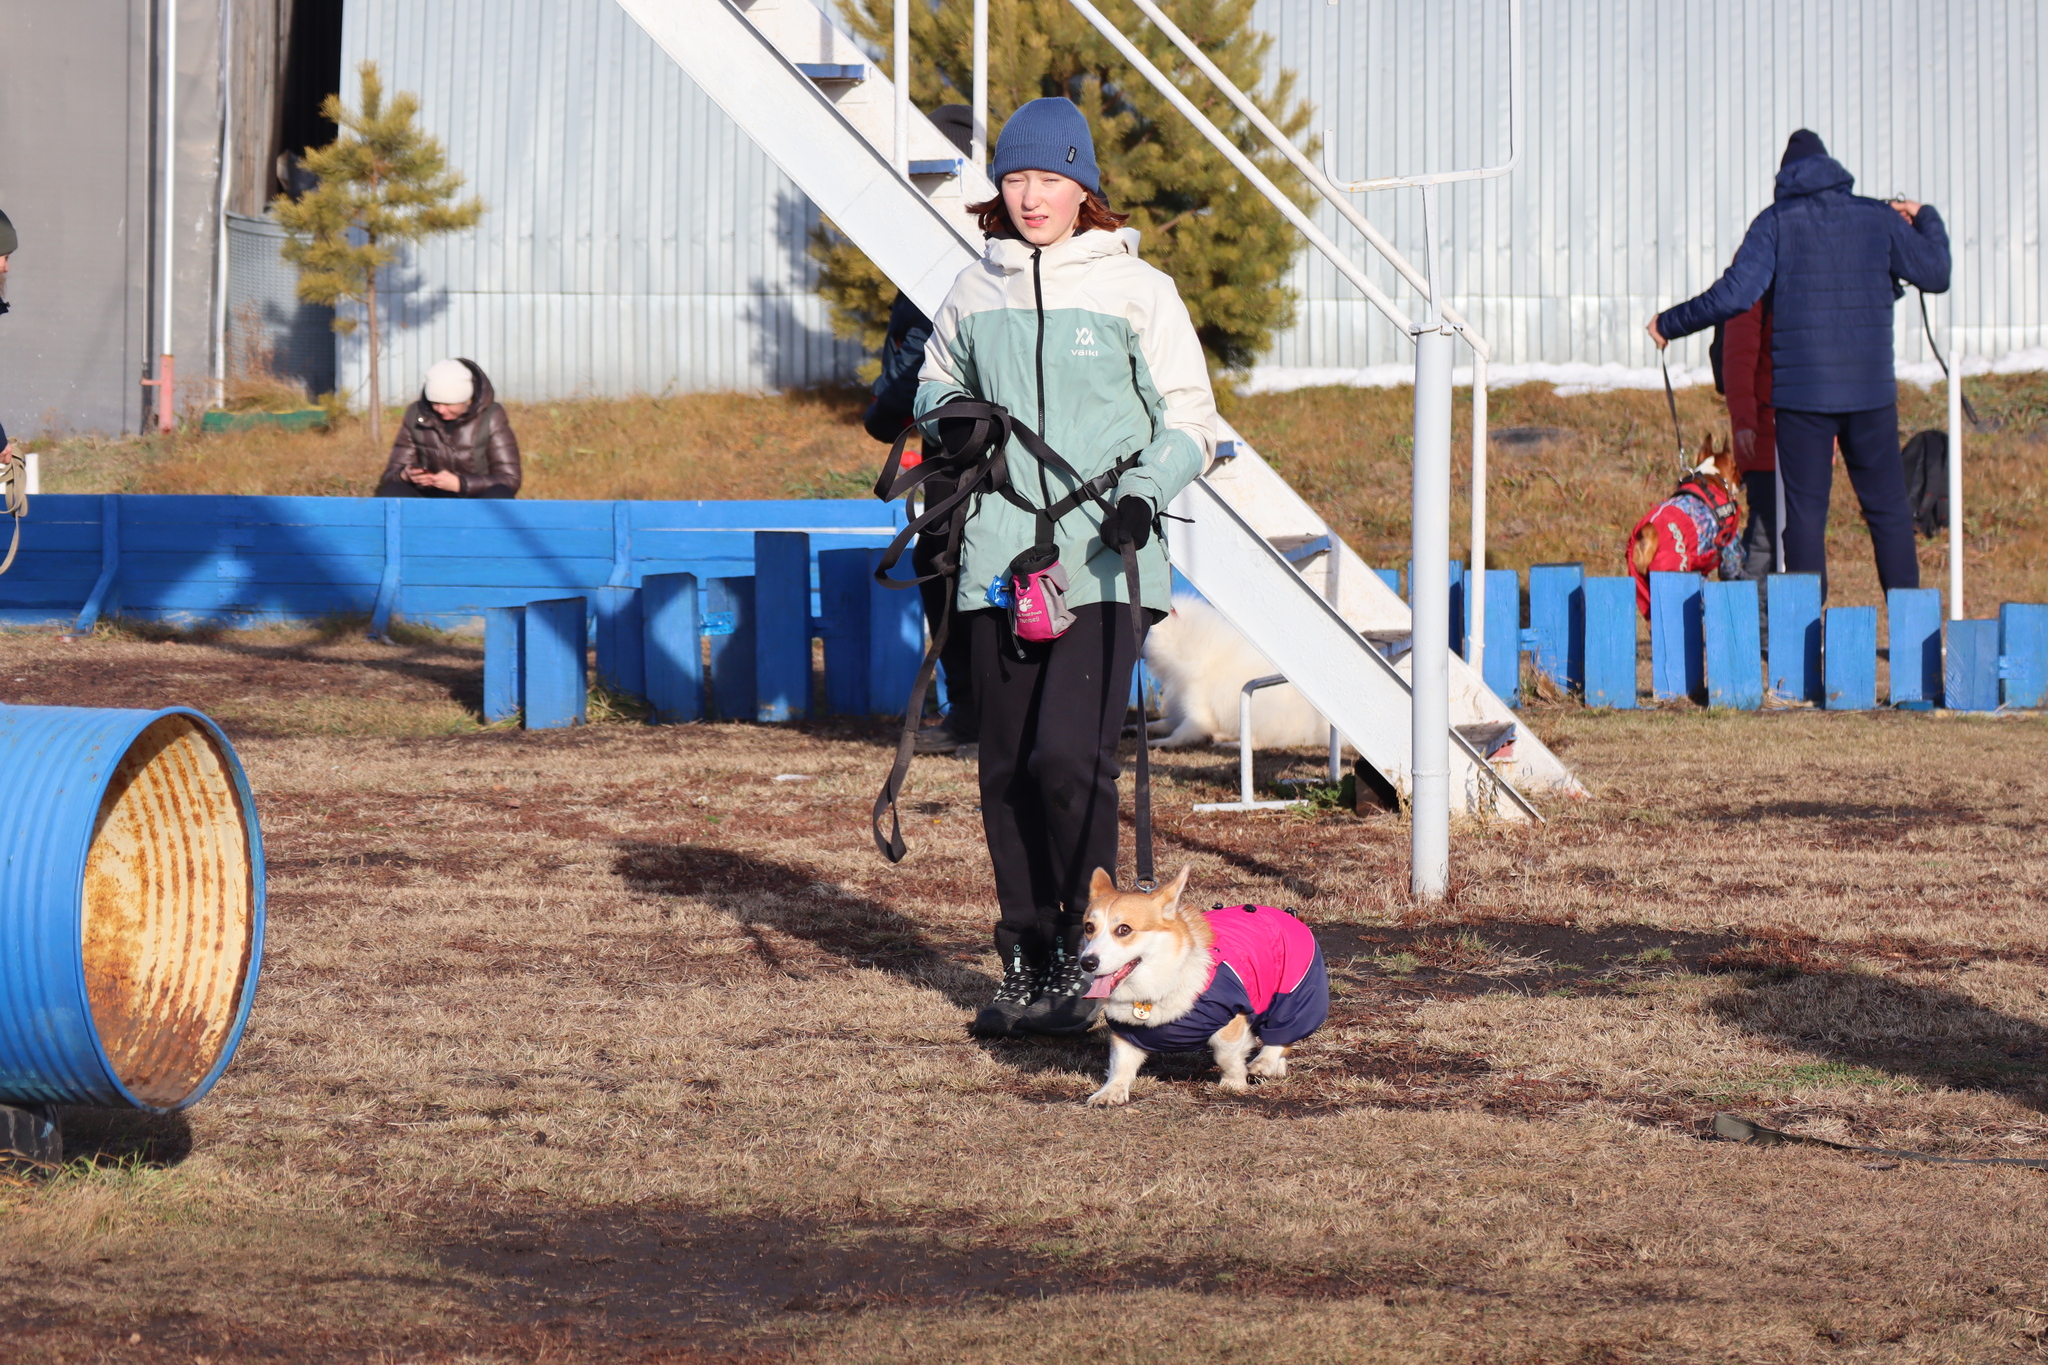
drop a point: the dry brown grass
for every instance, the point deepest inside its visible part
(607, 1045)
(1346, 450)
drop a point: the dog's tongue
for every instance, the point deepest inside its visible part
(1105, 984)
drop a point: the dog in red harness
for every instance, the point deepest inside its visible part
(1698, 529)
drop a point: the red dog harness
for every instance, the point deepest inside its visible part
(1697, 527)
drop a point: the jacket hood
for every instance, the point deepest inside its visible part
(481, 396)
(1012, 254)
(1811, 175)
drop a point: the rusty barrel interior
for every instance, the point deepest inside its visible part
(169, 911)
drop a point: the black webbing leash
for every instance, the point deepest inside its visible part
(1968, 410)
(1146, 881)
(1671, 401)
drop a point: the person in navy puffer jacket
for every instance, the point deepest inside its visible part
(1832, 262)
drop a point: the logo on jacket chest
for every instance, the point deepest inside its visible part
(1084, 337)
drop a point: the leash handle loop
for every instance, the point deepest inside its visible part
(14, 478)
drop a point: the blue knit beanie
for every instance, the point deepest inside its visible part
(1048, 135)
(1801, 145)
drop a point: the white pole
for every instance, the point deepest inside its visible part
(1335, 556)
(1475, 574)
(902, 79)
(979, 145)
(1430, 552)
(223, 176)
(168, 149)
(1955, 471)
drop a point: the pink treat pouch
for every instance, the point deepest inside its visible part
(1038, 595)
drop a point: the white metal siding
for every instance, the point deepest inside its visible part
(637, 240)
(1652, 133)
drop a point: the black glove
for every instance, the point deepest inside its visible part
(1130, 524)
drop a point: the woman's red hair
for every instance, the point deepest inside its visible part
(1096, 216)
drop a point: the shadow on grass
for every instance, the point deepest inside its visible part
(761, 894)
(120, 1136)
(1866, 1028)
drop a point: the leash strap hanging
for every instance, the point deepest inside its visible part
(1671, 401)
(1969, 410)
(1146, 881)
(14, 477)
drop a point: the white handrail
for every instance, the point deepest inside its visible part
(900, 156)
(979, 144)
(1244, 164)
(1395, 182)
(1333, 192)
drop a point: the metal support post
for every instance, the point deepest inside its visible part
(978, 147)
(1475, 575)
(1430, 553)
(1955, 473)
(900, 158)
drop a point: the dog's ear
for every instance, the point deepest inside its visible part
(1173, 889)
(1101, 884)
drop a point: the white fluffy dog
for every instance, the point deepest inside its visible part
(1202, 663)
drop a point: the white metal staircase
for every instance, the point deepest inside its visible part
(821, 110)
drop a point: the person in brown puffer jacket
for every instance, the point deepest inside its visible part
(455, 441)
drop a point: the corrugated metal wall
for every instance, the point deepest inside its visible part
(1653, 131)
(636, 241)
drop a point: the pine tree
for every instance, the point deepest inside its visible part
(1226, 247)
(383, 179)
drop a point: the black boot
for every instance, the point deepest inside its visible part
(998, 1018)
(1061, 1006)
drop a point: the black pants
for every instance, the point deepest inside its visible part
(963, 718)
(1870, 452)
(1760, 533)
(406, 488)
(1049, 730)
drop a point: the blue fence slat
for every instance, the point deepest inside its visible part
(309, 539)
(621, 640)
(1913, 628)
(1792, 602)
(1735, 655)
(843, 594)
(142, 571)
(1502, 667)
(1850, 661)
(1677, 636)
(504, 653)
(896, 639)
(510, 572)
(523, 545)
(782, 625)
(673, 647)
(554, 674)
(2023, 647)
(791, 514)
(1969, 676)
(729, 622)
(1456, 570)
(245, 509)
(1557, 615)
(1610, 648)
(550, 515)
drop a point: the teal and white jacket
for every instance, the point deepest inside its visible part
(1122, 371)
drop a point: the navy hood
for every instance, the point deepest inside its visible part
(1811, 175)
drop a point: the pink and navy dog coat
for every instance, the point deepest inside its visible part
(1265, 963)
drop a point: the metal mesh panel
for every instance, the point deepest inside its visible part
(265, 313)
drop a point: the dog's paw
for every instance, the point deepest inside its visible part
(1233, 1085)
(1271, 1068)
(1113, 1093)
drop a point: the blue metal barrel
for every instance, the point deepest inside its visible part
(131, 905)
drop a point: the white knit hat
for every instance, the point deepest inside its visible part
(449, 381)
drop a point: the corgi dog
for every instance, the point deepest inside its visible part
(1239, 980)
(1202, 662)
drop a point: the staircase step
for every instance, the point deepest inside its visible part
(834, 71)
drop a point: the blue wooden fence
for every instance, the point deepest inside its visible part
(1734, 645)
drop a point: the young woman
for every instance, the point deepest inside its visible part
(1060, 324)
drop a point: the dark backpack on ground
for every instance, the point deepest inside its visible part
(1925, 458)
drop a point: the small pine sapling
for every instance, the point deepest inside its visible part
(382, 181)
